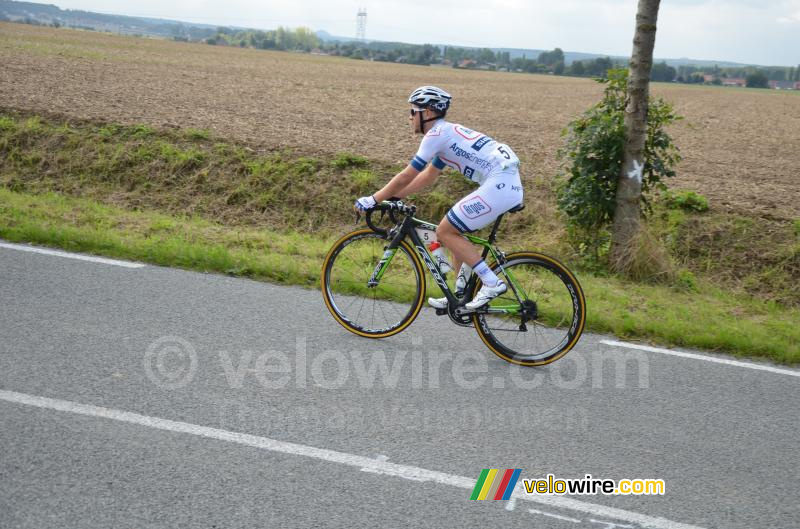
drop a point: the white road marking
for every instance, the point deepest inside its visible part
(511, 503)
(748, 365)
(360, 462)
(59, 253)
(610, 525)
(556, 516)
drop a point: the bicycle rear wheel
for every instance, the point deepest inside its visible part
(540, 317)
(372, 311)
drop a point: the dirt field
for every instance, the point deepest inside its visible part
(741, 147)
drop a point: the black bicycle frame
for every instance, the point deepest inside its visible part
(408, 228)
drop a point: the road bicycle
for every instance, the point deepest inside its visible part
(373, 283)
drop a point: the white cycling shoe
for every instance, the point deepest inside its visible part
(438, 303)
(485, 295)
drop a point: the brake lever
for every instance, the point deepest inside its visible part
(358, 217)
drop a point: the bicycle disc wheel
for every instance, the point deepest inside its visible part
(539, 323)
(381, 310)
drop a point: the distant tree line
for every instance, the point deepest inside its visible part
(548, 62)
(386, 52)
(300, 39)
(752, 76)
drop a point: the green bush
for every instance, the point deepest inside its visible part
(686, 200)
(593, 156)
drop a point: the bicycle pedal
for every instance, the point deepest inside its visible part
(441, 312)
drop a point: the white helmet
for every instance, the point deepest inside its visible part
(431, 97)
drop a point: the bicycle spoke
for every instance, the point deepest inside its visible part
(360, 308)
(354, 300)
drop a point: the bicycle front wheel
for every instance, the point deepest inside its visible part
(383, 308)
(540, 317)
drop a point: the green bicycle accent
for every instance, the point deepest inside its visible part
(382, 265)
(488, 245)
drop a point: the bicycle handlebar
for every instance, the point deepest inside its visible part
(392, 207)
(397, 205)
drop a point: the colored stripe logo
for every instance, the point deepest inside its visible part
(496, 484)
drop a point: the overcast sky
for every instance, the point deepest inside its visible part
(763, 32)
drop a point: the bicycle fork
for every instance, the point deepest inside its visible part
(388, 253)
(380, 268)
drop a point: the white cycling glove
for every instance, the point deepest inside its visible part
(365, 203)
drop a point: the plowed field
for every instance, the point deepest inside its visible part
(741, 147)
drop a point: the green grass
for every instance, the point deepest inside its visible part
(84, 225)
(197, 134)
(364, 180)
(709, 319)
(343, 160)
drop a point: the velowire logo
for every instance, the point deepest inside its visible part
(496, 484)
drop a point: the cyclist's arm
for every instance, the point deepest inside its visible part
(398, 183)
(423, 180)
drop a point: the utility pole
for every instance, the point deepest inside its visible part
(361, 24)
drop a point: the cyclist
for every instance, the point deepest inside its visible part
(481, 159)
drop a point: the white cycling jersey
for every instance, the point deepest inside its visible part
(473, 154)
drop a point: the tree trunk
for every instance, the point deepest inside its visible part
(627, 216)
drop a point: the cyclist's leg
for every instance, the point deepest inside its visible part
(463, 251)
(473, 212)
(450, 237)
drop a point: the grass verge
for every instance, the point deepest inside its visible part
(702, 316)
(84, 225)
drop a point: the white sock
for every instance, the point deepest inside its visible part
(463, 276)
(485, 273)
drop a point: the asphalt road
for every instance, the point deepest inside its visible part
(154, 397)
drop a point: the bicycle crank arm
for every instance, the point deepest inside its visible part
(463, 311)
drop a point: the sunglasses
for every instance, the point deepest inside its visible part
(416, 110)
